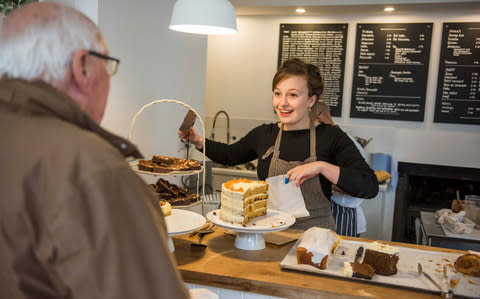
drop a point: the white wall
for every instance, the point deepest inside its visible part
(240, 69)
(155, 63)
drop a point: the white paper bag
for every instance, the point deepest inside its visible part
(287, 198)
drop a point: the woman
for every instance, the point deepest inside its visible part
(311, 154)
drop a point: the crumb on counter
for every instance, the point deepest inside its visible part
(454, 282)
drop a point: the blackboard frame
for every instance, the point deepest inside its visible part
(455, 110)
(409, 103)
(335, 103)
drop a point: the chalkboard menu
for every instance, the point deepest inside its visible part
(458, 90)
(390, 72)
(322, 45)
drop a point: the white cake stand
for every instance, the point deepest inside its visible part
(250, 237)
(182, 222)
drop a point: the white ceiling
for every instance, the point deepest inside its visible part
(322, 7)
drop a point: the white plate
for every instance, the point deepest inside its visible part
(406, 277)
(182, 222)
(134, 166)
(273, 221)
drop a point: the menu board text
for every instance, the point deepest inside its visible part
(390, 71)
(458, 89)
(322, 45)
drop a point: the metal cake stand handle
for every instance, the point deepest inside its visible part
(132, 124)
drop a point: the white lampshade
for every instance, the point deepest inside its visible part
(204, 17)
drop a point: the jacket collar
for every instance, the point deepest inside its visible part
(40, 98)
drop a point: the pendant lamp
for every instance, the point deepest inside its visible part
(204, 17)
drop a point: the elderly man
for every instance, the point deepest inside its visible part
(75, 221)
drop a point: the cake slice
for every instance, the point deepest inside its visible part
(163, 160)
(165, 207)
(358, 270)
(242, 200)
(382, 257)
(188, 122)
(316, 245)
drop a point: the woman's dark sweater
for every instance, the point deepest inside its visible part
(333, 146)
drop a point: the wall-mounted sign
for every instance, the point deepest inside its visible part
(390, 71)
(458, 89)
(322, 45)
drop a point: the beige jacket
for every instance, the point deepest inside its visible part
(75, 221)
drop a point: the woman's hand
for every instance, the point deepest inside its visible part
(192, 137)
(303, 172)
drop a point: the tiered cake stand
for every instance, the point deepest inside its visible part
(181, 221)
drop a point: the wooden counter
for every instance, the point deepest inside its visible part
(222, 265)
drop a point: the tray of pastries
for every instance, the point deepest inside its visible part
(160, 165)
(321, 251)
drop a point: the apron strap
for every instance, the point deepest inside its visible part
(313, 141)
(276, 149)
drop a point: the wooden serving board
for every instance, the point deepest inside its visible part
(406, 277)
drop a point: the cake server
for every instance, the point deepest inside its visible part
(206, 228)
(200, 239)
(420, 272)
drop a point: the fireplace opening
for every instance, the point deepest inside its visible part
(424, 187)
(432, 193)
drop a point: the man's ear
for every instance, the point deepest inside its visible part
(80, 71)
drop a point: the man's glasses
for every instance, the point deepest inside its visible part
(112, 63)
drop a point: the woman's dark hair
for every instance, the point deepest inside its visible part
(297, 67)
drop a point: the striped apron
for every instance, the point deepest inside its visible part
(346, 220)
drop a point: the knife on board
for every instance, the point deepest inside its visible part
(358, 255)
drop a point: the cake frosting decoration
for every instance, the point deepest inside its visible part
(316, 245)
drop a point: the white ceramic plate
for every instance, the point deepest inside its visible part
(182, 222)
(273, 221)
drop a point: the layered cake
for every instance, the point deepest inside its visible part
(316, 245)
(243, 200)
(382, 257)
(358, 270)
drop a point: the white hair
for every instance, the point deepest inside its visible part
(43, 48)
